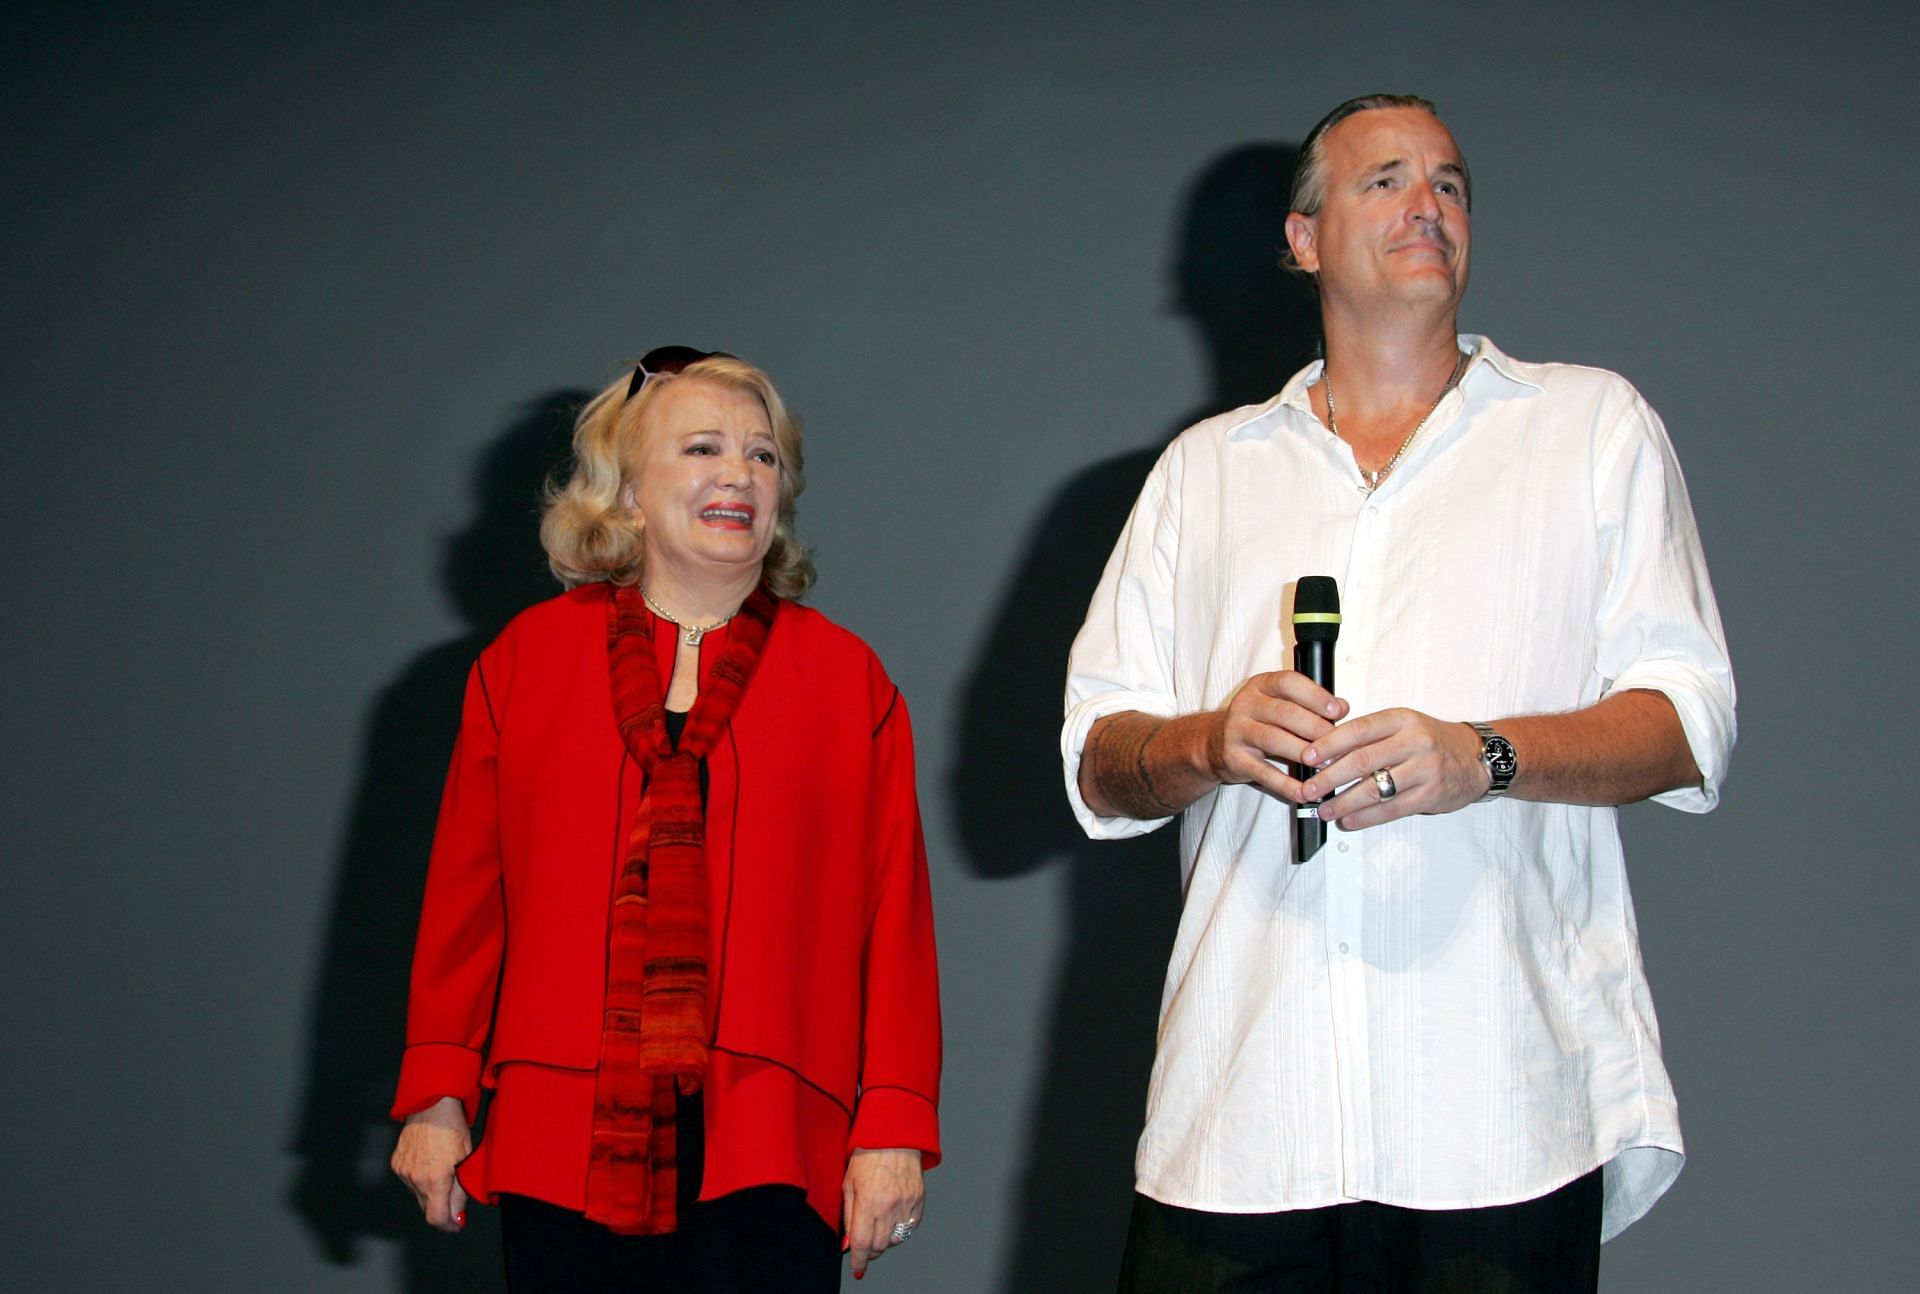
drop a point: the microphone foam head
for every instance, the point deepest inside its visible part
(1316, 609)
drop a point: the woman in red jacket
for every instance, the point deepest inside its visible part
(677, 917)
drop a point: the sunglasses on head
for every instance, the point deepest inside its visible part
(664, 360)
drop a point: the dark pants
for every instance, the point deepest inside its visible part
(763, 1240)
(1546, 1246)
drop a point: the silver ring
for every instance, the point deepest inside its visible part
(901, 1230)
(1383, 783)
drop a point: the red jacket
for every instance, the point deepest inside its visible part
(822, 976)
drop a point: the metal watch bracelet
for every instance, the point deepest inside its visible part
(1498, 758)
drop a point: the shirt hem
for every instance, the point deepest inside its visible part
(1610, 1227)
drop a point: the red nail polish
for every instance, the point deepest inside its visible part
(859, 1276)
(460, 1218)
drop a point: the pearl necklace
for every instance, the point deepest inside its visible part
(1371, 480)
(690, 634)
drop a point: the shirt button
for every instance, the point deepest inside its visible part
(1343, 948)
(1342, 846)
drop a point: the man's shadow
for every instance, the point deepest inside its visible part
(1258, 325)
(491, 569)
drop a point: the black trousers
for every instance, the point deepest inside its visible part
(763, 1240)
(1549, 1245)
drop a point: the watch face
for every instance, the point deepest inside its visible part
(1498, 753)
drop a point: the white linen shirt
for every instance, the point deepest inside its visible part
(1444, 1011)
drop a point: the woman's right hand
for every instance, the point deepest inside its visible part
(432, 1144)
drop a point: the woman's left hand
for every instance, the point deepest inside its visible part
(883, 1188)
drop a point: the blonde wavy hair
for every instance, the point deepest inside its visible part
(589, 533)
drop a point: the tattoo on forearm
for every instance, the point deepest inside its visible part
(1119, 755)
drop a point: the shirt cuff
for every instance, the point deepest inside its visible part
(894, 1118)
(1073, 741)
(432, 1070)
(1706, 717)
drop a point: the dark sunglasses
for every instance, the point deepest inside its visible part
(663, 360)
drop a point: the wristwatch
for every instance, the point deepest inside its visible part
(1496, 752)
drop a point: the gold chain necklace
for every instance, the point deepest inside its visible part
(1371, 480)
(690, 634)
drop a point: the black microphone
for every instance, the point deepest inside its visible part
(1316, 624)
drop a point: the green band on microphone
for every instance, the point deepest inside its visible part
(1316, 617)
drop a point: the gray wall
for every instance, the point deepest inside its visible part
(292, 293)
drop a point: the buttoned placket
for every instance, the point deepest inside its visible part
(1363, 619)
(1343, 917)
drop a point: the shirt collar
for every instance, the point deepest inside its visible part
(1499, 368)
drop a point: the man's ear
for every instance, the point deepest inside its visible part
(1300, 239)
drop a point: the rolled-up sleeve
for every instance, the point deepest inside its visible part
(456, 959)
(1658, 624)
(1123, 657)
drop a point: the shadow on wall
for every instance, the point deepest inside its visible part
(492, 569)
(1258, 325)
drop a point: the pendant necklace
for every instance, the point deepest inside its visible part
(1370, 481)
(690, 634)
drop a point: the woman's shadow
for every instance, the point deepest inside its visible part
(1258, 325)
(491, 569)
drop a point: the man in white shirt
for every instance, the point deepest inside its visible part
(1426, 1057)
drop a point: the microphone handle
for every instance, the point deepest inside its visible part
(1315, 660)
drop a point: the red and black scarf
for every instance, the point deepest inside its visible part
(653, 1039)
